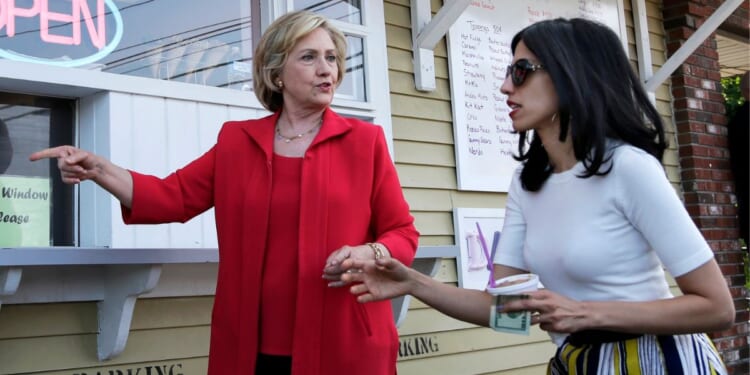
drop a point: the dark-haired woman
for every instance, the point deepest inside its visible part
(591, 211)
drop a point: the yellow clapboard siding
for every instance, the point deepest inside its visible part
(184, 366)
(400, 60)
(480, 361)
(656, 40)
(657, 56)
(79, 351)
(663, 93)
(428, 199)
(398, 37)
(429, 320)
(673, 173)
(435, 240)
(433, 223)
(415, 129)
(662, 103)
(444, 200)
(430, 109)
(425, 153)
(472, 339)
(670, 158)
(417, 304)
(398, 2)
(448, 272)
(398, 14)
(479, 199)
(403, 83)
(424, 176)
(653, 10)
(65, 335)
(172, 312)
(34, 320)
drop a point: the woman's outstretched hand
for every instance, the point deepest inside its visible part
(75, 164)
(334, 267)
(378, 280)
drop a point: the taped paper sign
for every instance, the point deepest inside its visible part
(25, 211)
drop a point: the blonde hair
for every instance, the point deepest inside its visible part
(273, 50)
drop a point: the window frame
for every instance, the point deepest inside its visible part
(63, 227)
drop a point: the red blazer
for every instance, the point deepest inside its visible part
(350, 195)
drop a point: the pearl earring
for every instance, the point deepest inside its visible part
(280, 84)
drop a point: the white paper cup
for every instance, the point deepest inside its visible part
(516, 284)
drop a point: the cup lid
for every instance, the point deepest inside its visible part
(524, 282)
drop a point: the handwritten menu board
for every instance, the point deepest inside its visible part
(479, 52)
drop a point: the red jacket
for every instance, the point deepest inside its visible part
(350, 195)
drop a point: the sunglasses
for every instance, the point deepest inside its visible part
(519, 70)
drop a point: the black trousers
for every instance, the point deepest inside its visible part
(267, 364)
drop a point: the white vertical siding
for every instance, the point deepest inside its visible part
(152, 135)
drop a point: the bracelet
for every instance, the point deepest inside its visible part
(376, 249)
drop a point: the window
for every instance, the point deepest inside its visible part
(31, 190)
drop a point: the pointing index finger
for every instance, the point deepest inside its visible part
(50, 153)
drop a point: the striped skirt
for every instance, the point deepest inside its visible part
(692, 354)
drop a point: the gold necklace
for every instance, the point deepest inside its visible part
(298, 136)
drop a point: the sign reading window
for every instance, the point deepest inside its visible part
(24, 211)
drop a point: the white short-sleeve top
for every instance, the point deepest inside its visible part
(603, 238)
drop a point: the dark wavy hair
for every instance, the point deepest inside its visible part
(600, 97)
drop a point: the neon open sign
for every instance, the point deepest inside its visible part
(83, 22)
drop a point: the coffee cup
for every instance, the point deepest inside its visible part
(507, 289)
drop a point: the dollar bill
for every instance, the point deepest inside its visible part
(517, 322)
